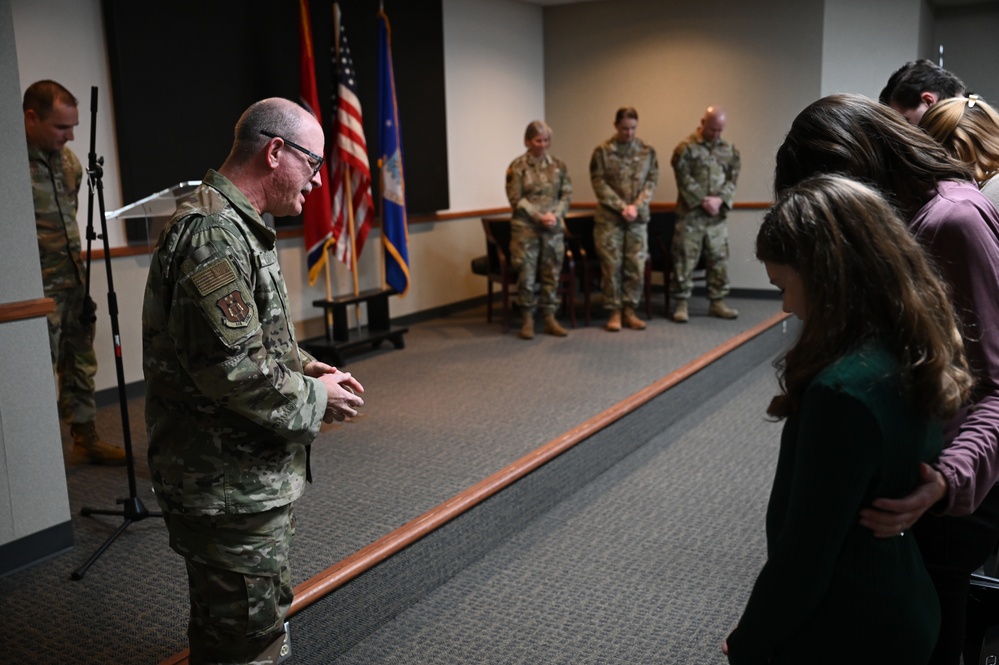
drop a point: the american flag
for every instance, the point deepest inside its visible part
(350, 154)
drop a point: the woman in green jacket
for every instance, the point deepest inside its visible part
(878, 364)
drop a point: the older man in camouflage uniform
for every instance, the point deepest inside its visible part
(706, 168)
(232, 403)
(50, 114)
(624, 172)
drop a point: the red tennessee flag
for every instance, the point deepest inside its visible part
(317, 211)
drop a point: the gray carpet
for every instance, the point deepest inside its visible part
(649, 563)
(459, 403)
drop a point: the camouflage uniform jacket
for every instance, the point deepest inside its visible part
(55, 186)
(623, 174)
(229, 414)
(536, 186)
(704, 168)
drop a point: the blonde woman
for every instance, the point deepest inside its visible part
(968, 128)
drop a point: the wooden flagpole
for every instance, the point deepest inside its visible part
(348, 194)
(381, 188)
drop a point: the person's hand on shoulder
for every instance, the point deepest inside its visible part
(891, 517)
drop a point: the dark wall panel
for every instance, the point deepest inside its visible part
(184, 70)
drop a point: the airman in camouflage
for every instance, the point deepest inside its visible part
(50, 114)
(706, 168)
(232, 403)
(624, 172)
(539, 188)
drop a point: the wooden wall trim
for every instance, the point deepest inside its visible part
(26, 309)
(286, 232)
(97, 254)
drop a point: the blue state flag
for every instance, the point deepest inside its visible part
(395, 229)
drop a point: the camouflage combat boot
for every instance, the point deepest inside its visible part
(527, 327)
(680, 314)
(614, 323)
(553, 328)
(88, 446)
(631, 320)
(721, 310)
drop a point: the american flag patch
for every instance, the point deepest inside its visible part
(214, 277)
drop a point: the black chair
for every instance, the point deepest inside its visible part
(661, 228)
(498, 270)
(579, 237)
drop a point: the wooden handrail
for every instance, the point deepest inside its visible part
(26, 309)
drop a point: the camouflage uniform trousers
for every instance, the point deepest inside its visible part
(71, 344)
(537, 256)
(623, 249)
(693, 235)
(240, 581)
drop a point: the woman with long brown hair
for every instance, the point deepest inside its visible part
(878, 365)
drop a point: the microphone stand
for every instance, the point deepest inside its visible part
(133, 509)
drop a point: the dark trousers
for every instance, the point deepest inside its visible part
(953, 548)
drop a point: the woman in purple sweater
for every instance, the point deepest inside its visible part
(945, 211)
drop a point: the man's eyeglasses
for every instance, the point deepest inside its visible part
(308, 153)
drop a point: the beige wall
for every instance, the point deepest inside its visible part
(967, 50)
(671, 59)
(858, 53)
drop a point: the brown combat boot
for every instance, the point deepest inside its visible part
(680, 314)
(614, 323)
(631, 320)
(527, 327)
(721, 310)
(552, 327)
(88, 446)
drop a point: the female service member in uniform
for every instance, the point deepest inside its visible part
(539, 188)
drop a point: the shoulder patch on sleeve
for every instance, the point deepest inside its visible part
(234, 309)
(224, 298)
(214, 277)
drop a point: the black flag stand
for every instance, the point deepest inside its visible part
(133, 509)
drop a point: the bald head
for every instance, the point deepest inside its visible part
(713, 123)
(275, 115)
(276, 156)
